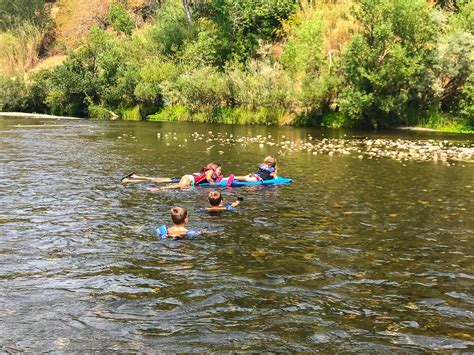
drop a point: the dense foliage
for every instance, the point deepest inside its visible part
(398, 62)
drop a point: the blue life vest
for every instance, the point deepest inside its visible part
(162, 232)
(228, 207)
(265, 172)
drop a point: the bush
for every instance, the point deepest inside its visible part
(152, 85)
(38, 90)
(171, 114)
(467, 102)
(14, 94)
(120, 20)
(100, 112)
(131, 113)
(205, 49)
(303, 53)
(260, 84)
(203, 88)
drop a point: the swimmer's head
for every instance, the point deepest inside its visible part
(179, 215)
(270, 161)
(215, 198)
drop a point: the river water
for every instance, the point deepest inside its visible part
(362, 253)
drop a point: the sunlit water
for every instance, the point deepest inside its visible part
(358, 255)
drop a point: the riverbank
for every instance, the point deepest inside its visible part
(258, 120)
(38, 116)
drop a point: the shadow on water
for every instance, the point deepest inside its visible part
(364, 254)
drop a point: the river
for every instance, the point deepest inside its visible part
(364, 252)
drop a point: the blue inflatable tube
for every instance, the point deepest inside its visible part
(278, 181)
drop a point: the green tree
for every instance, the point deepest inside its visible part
(388, 65)
(172, 30)
(243, 23)
(456, 53)
(97, 74)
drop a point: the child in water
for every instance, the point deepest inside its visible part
(266, 171)
(178, 230)
(211, 174)
(217, 205)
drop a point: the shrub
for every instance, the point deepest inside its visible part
(388, 66)
(303, 53)
(171, 114)
(120, 20)
(131, 113)
(467, 102)
(203, 88)
(100, 112)
(14, 94)
(205, 49)
(260, 84)
(152, 85)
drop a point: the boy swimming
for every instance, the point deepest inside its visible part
(178, 230)
(217, 205)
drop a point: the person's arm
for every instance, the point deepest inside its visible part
(209, 176)
(236, 203)
(274, 174)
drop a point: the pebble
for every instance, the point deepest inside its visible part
(440, 152)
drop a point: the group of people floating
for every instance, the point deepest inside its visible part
(211, 174)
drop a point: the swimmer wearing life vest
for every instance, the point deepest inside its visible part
(266, 171)
(217, 205)
(178, 230)
(210, 174)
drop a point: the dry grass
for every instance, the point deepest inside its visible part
(19, 49)
(338, 22)
(48, 63)
(134, 4)
(74, 18)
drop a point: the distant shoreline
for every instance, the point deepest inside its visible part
(406, 128)
(38, 115)
(45, 116)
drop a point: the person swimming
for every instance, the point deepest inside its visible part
(178, 230)
(217, 205)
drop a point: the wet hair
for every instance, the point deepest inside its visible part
(270, 160)
(179, 215)
(215, 198)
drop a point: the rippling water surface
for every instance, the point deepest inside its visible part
(358, 255)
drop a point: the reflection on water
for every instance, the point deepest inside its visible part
(358, 255)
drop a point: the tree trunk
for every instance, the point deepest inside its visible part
(188, 12)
